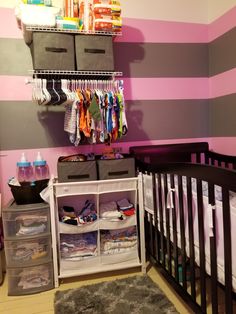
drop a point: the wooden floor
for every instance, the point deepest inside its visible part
(43, 302)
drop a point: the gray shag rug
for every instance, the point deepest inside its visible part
(132, 295)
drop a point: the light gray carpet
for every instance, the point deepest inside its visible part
(133, 295)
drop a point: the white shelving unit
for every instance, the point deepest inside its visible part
(99, 191)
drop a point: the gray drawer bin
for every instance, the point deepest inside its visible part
(53, 51)
(116, 168)
(94, 53)
(72, 171)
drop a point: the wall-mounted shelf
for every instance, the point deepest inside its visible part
(75, 31)
(74, 73)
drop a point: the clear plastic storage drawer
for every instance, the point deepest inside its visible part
(26, 221)
(28, 252)
(30, 280)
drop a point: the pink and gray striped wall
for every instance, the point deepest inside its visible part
(179, 80)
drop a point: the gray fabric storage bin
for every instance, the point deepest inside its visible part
(72, 171)
(53, 51)
(94, 53)
(116, 168)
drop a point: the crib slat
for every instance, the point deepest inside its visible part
(213, 162)
(148, 231)
(151, 236)
(191, 238)
(154, 191)
(167, 215)
(198, 157)
(174, 225)
(146, 221)
(182, 231)
(213, 252)
(201, 245)
(162, 249)
(227, 251)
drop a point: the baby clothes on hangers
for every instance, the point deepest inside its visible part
(98, 115)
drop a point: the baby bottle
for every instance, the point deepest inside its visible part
(41, 171)
(24, 170)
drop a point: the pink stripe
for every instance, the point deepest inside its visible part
(223, 145)
(135, 88)
(9, 158)
(8, 24)
(142, 88)
(222, 25)
(222, 84)
(134, 30)
(14, 88)
(166, 88)
(143, 30)
(138, 30)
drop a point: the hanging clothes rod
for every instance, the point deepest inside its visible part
(61, 72)
(121, 82)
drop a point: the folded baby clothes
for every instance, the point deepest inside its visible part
(31, 230)
(126, 207)
(113, 215)
(87, 213)
(109, 206)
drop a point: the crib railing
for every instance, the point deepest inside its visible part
(220, 160)
(184, 152)
(167, 226)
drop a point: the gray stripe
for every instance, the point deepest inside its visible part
(166, 119)
(27, 125)
(133, 59)
(15, 57)
(222, 116)
(222, 52)
(143, 59)
(161, 59)
(24, 125)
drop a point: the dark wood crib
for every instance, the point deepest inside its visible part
(190, 220)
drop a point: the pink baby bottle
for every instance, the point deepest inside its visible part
(24, 170)
(41, 170)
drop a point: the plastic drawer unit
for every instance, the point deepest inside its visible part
(29, 252)
(29, 280)
(23, 221)
(28, 248)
